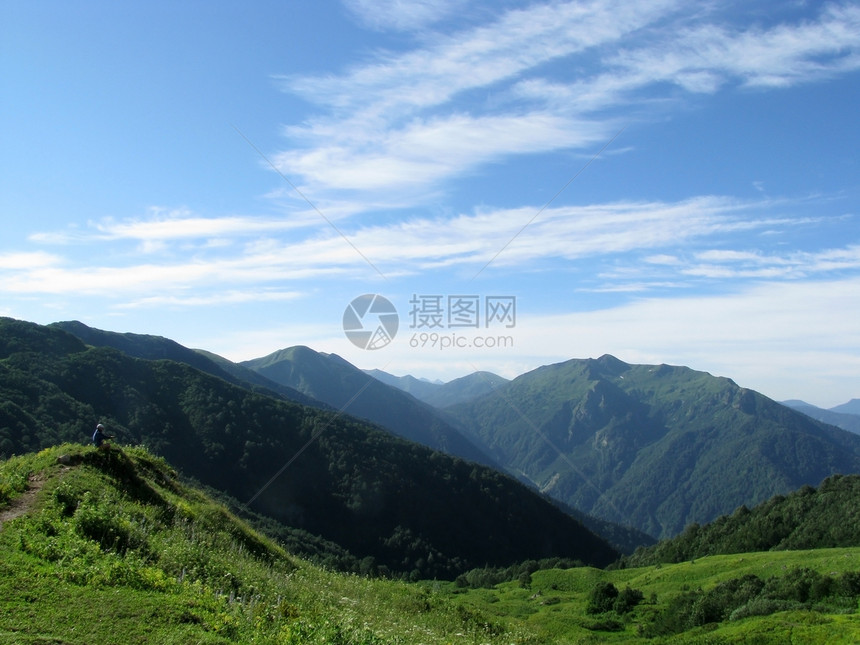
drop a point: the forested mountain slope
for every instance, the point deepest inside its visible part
(656, 446)
(809, 518)
(157, 347)
(338, 383)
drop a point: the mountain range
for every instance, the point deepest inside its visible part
(845, 416)
(392, 505)
(650, 447)
(655, 446)
(341, 385)
(441, 395)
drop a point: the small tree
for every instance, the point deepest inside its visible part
(601, 598)
(627, 599)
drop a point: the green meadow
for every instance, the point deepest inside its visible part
(113, 547)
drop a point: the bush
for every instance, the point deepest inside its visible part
(604, 596)
(601, 598)
(627, 599)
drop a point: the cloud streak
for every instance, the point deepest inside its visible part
(671, 242)
(396, 123)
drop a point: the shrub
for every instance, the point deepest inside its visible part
(627, 599)
(601, 598)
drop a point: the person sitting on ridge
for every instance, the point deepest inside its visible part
(100, 438)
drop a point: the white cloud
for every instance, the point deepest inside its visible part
(501, 237)
(219, 298)
(702, 58)
(28, 261)
(519, 40)
(721, 263)
(160, 226)
(425, 152)
(397, 122)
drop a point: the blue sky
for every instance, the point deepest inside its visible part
(665, 181)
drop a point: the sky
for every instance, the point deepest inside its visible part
(437, 188)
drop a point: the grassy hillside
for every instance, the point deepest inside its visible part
(655, 446)
(112, 548)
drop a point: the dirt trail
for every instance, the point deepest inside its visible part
(22, 504)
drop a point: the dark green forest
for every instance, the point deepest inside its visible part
(808, 518)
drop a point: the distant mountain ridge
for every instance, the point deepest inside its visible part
(151, 347)
(336, 382)
(845, 420)
(852, 407)
(442, 395)
(655, 446)
(419, 388)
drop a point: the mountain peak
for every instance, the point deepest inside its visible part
(612, 364)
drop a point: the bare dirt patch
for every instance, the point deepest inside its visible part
(20, 505)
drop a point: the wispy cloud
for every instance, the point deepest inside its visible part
(162, 225)
(426, 151)
(648, 245)
(28, 260)
(720, 263)
(396, 122)
(220, 298)
(702, 58)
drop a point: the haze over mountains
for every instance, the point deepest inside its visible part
(441, 395)
(845, 416)
(653, 447)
